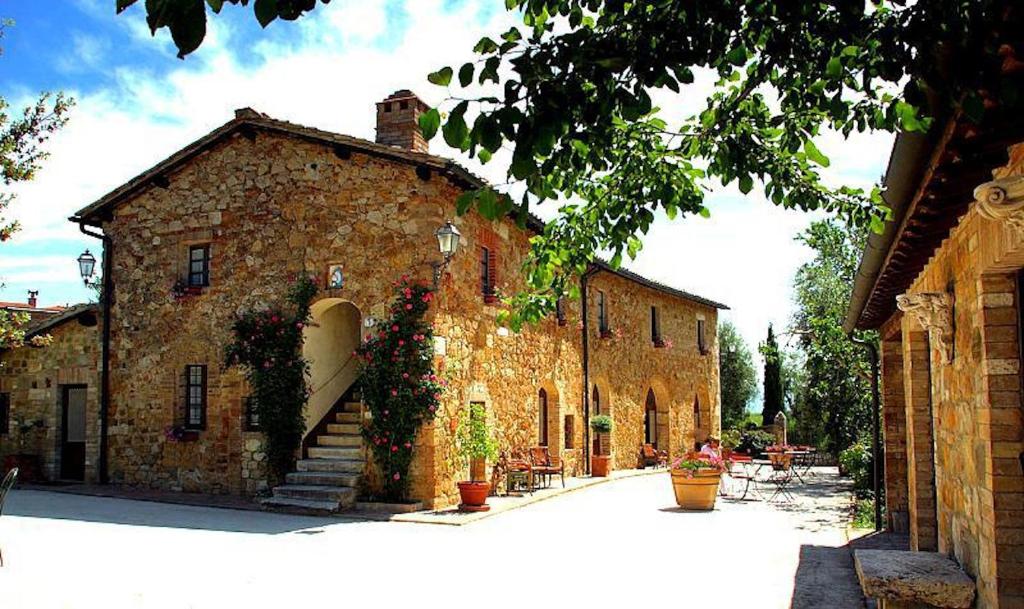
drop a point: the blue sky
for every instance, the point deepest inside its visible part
(138, 103)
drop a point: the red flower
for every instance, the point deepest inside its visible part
(394, 448)
(394, 328)
(408, 445)
(408, 307)
(396, 476)
(394, 392)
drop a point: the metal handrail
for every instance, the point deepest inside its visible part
(333, 375)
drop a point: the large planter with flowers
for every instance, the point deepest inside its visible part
(600, 463)
(695, 483)
(474, 445)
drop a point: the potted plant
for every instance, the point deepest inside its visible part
(695, 482)
(474, 445)
(27, 463)
(600, 462)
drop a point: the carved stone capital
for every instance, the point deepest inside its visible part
(1002, 200)
(934, 311)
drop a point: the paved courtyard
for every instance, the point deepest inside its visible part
(620, 544)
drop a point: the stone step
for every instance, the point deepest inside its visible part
(317, 492)
(352, 407)
(344, 428)
(323, 478)
(335, 452)
(339, 440)
(292, 505)
(348, 466)
(349, 418)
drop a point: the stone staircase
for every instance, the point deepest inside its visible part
(327, 480)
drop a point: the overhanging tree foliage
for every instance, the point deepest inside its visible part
(736, 373)
(569, 94)
(773, 391)
(22, 136)
(835, 409)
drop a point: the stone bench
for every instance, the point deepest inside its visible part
(912, 580)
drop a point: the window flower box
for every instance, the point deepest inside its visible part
(180, 434)
(663, 343)
(611, 333)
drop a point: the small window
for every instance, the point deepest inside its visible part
(570, 431)
(542, 415)
(5, 414)
(596, 400)
(602, 312)
(252, 416)
(701, 344)
(655, 326)
(560, 311)
(486, 281)
(697, 423)
(195, 396)
(199, 266)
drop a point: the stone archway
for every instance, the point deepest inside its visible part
(328, 345)
(657, 405)
(703, 425)
(549, 429)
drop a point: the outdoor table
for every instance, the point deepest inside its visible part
(798, 462)
(751, 469)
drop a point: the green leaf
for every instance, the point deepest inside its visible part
(737, 56)
(266, 11)
(455, 130)
(464, 202)
(215, 5)
(442, 77)
(746, 184)
(466, 74)
(834, 68)
(814, 154)
(123, 4)
(486, 45)
(487, 204)
(430, 121)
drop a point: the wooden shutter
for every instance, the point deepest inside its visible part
(489, 240)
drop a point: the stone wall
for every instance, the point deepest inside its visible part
(626, 365)
(975, 401)
(35, 378)
(271, 206)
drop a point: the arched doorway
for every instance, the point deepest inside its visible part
(651, 419)
(328, 345)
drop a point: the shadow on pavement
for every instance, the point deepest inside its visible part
(64, 506)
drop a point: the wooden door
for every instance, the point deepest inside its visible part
(72, 453)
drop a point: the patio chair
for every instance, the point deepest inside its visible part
(781, 476)
(651, 456)
(5, 487)
(518, 472)
(540, 463)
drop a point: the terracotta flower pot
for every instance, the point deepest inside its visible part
(600, 465)
(474, 496)
(697, 490)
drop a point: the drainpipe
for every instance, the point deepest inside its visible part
(107, 296)
(584, 280)
(876, 457)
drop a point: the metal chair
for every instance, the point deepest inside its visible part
(5, 487)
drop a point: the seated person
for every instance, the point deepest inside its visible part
(711, 448)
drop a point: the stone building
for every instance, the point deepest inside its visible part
(943, 287)
(49, 398)
(221, 225)
(30, 307)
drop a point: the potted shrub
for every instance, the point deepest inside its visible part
(600, 462)
(474, 446)
(695, 482)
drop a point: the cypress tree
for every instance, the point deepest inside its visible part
(772, 379)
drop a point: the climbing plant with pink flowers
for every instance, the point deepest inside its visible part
(399, 385)
(268, 346)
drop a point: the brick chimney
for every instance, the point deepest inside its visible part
(33, 298)
(398, 123)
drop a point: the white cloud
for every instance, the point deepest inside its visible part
(340, 60)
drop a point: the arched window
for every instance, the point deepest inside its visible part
(596, 401)
(651, 420)
(542, 423)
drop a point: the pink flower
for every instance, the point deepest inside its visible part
(274, 318)
(408, 307)
(408, 445)
(266, 365)
(407, 292)
(401, 342)
(396, 476)
(298, 325)
(394, 392)
(405, 278)
(394, 328)
(432, 408)
(405, 375)
(386, 413)
(394, 448)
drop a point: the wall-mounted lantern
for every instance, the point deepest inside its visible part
(448, 238)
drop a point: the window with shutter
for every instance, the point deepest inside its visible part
(195, 396)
